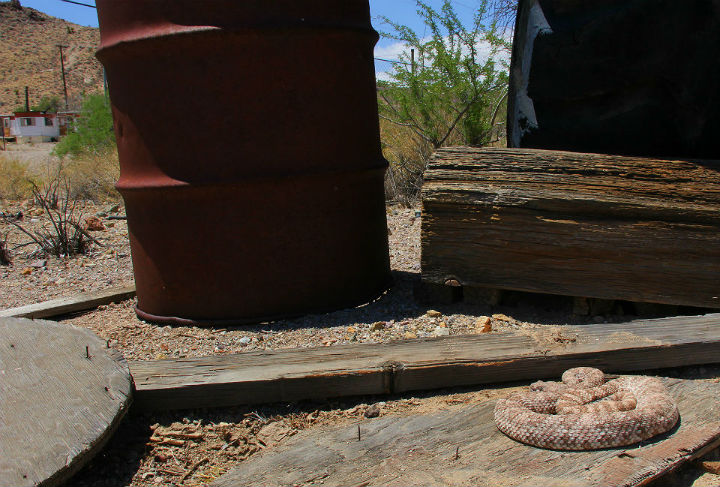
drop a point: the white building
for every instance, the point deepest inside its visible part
(28, 127)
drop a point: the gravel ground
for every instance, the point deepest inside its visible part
(393, 316)
(190, 448)
(33, 277)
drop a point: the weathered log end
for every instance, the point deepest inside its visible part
(574, 224)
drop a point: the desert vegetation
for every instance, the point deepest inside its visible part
(82, 167)
(86, 160)
(449, 87)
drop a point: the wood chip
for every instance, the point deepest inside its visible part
(166, 441)
(193, 468)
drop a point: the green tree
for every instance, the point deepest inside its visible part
(49, 104)
(92, 132)
(455, 86)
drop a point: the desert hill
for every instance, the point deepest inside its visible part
(29, 56)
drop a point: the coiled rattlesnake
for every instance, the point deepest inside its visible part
(585, 412)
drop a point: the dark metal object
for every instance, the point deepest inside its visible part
(273, 204)
(630, 77)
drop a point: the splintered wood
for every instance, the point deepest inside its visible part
(573, 224)
(62, 394)
(461, 446)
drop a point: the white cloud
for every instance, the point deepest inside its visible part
(383, 76)
(391, 51)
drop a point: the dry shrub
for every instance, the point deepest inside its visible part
(65, 236)
(92, 176)
(15, 179)
(408, 156)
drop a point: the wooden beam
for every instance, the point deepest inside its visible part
(574, 224)
(72, 304)
(424, 364)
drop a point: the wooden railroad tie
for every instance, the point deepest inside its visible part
(574, 224)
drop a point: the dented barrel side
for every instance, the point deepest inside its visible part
(250, 156)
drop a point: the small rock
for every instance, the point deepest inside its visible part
(378, 325)
(244, 341)
(484, 324)
(161, 458)
(94, 224)
(441, 332)
(453, 283)
(101, 214)
(443, 324)
(114, 209)
(409, 335)
(433, 314)
(39, 264)
(372, 411)
(501, 317)
(351, 329)
(27, 271)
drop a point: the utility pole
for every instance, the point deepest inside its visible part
(412, 60)
(62, 68)
(27, 99)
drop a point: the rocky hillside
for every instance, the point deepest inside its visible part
(29, 56)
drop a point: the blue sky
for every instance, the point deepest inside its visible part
(401, 11)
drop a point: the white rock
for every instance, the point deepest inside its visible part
(441, 332)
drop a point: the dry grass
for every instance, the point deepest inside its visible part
(408, 155)
(16, 182)
(90, 177)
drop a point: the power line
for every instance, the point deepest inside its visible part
(79, 3)
(392, 61)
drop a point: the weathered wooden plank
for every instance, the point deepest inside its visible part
(57, 406)
(421, 450)
(72, 304)
(315, 373)
(574, 224)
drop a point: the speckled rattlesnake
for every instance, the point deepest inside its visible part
(585, 412)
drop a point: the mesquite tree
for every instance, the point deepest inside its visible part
(452, 84)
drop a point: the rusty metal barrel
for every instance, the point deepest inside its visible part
(250, 159)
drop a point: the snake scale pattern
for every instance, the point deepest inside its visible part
(586, 412)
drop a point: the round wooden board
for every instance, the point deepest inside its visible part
(57, 406)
